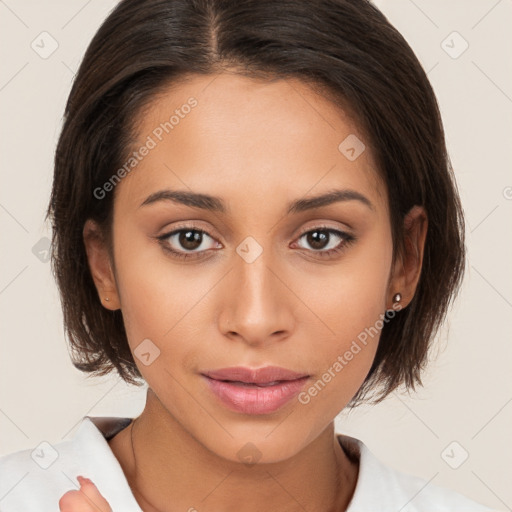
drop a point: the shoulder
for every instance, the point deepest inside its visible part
(35, 479)
(380, 487)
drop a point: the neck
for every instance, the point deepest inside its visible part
(169, 470)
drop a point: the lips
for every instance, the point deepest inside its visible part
(249, 384)
(255, 391)
(259, 376)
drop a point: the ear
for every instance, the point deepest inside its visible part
(407, 269)
(100, 265)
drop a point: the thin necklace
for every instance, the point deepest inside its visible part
(135, 466)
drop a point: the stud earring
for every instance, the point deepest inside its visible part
(397, 297)
(107, 299)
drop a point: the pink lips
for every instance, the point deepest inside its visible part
(255, 391)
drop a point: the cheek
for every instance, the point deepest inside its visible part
(349, 297)
(351, 306)
(162, 302)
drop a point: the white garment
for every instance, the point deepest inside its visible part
(25, 486)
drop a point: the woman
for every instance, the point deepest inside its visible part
(254, 213)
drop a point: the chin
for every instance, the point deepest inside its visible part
(255, 444)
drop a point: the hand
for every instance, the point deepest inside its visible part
(87, 499)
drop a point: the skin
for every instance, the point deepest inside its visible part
(257, 145)
(86, 499)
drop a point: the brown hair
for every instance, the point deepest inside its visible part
(346, 47)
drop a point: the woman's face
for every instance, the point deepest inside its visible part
(266, 283)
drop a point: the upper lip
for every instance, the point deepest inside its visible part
(254, 375)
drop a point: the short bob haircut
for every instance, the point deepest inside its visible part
(346, 50)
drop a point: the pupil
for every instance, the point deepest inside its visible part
(189, 239)
(318, 239)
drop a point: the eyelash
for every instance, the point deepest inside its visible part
(348, 239)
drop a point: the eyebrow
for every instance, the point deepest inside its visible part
(216, 204)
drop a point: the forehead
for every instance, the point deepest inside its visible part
(237, 137)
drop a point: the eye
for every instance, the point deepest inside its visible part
(187, 242)
(326, 241)
(191, 242)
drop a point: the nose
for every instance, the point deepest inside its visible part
(257, 302)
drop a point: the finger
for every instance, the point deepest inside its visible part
(87, 499)
(75, 501)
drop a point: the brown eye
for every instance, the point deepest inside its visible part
(187, 242)
(317, 239)
(190, 239)
(326, 241)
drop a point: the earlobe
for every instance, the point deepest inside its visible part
(407, 269)
(100, 266)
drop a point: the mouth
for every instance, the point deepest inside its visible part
(255, 391)
(253, 384)
(267, 375)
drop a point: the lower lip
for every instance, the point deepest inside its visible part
(253, 399)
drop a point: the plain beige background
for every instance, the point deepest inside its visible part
(465, 409)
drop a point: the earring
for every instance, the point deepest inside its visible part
(397, 297)
(107, 299)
